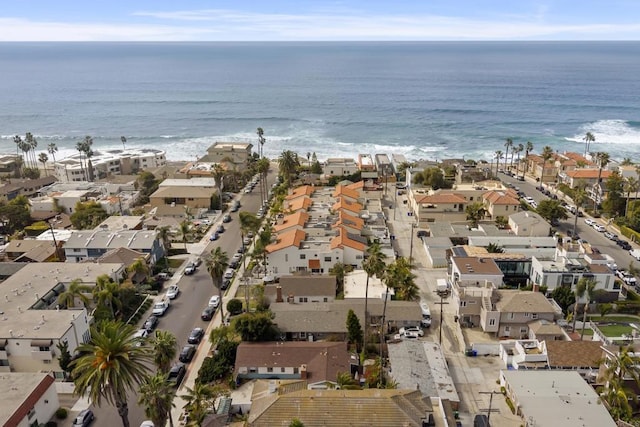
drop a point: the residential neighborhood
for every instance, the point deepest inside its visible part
(380, 292)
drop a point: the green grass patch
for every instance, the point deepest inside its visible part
(587, 331)
(625, 318)
(615, 330)
(175, 263)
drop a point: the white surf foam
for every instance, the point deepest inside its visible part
(609, 132)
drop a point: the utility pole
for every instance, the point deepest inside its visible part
(490, 393)
(442, 294)
(411, 245)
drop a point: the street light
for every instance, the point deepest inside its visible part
(442, 293)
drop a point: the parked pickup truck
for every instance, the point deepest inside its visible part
(161, 307)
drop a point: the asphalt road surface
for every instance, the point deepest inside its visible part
(184, 313)
(586, 232)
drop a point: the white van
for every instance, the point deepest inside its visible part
(442, 285)
(426, 315)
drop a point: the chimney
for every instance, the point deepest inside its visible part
(303, 372)
(291, 299)
(279, 294)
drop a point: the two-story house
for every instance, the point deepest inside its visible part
(339, 167)
(517, 309)
(92, 244)
(237, 153)
(302, 288)
(501, 203)
(529, 223)
(33, 322)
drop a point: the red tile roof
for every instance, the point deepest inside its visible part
(342, 240)
(287, 239)
(588, 174)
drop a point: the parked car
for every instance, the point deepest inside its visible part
(234, 264)
(195, 336)
(176, 374)
(229, 273)
(626, 277)
(246, 241)
(220, 229)
(84, 418)
(422, 233)
(214, 301)
(189, 269)
(151, 323)
(226, 218)
(611, 236)
(225, 284)
(173, 291)
(140, 335)
(599, 228)
(214, 236)
(207, 313)
(589, 221)
(160, 307)
(187, 353)
(624, 244)
(635, 253)
(411, 330)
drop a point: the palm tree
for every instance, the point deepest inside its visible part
(547, 154)
(106, 294)
(373, 265)
(165, 237)
(110, 365)
(346, 382)
(582, 287)
(517, 150)
(43, 158)
(603, 160)
(52, 148)
(528, 149)
(498, 155)
(75, 290)
(124, 142)
(579, 197)
(590, 285)
(217, 262)
(156, 396)
(288, 164)
(631, 184)
(624, 367)
(263, 168)
(494, 248)
(475, 213)
(164, 349)
(184, 230)
(80, 148)
(31, 144)
(200, 401)
(588, 139)
(507, 146)
(137, 269)
(218, 172)
(399, 277)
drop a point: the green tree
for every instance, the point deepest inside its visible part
(184, 230)
(138, 270)
(547, 154)
(614, 205)
(106, 293)
(88, 215)
(498, 156)
(296, 423)
(316, 167)
(564, 296)
(156, 396)
(494, 248)
(164, 348)
(217, 262)
(617, 393)
(147, 184)
(255, 327)
(507, 145)
(354, 329)
(288, 164)
(249, 222)
(373, 265)
(501, 222)
(263, 166)
(200, 401)
(340, 270)
(74, 291)
(110, 365)
(551, 210)
(602, 159)
(43, 158)
(15, 215)
(475, 213)
(64, 360)
(528, 149)
(398, 276)
(588, 139)
(582, 289)
(164, 235)
(346, 382)
(631, 185)
(579, 196)
(234, 306)
(517, 150)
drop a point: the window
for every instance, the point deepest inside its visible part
(4, 362)
(326, 299)
(512, 315)
(327, 259)
(527, 314)
(295, 370)
(303, 256)
(534, 315)
(358, 256)
(492, 322)
(463, 303)
(286, 257)
(302, 299)
(507, 329)
(523, 330)
(269, 369)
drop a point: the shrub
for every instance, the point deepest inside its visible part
(61, 413)
(234, 306)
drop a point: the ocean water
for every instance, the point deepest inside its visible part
(424, 100)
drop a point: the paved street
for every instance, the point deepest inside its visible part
(184, 312)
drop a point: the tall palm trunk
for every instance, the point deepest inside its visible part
(366, 317)
(123, 410)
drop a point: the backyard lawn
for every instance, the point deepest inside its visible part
(615, 330)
